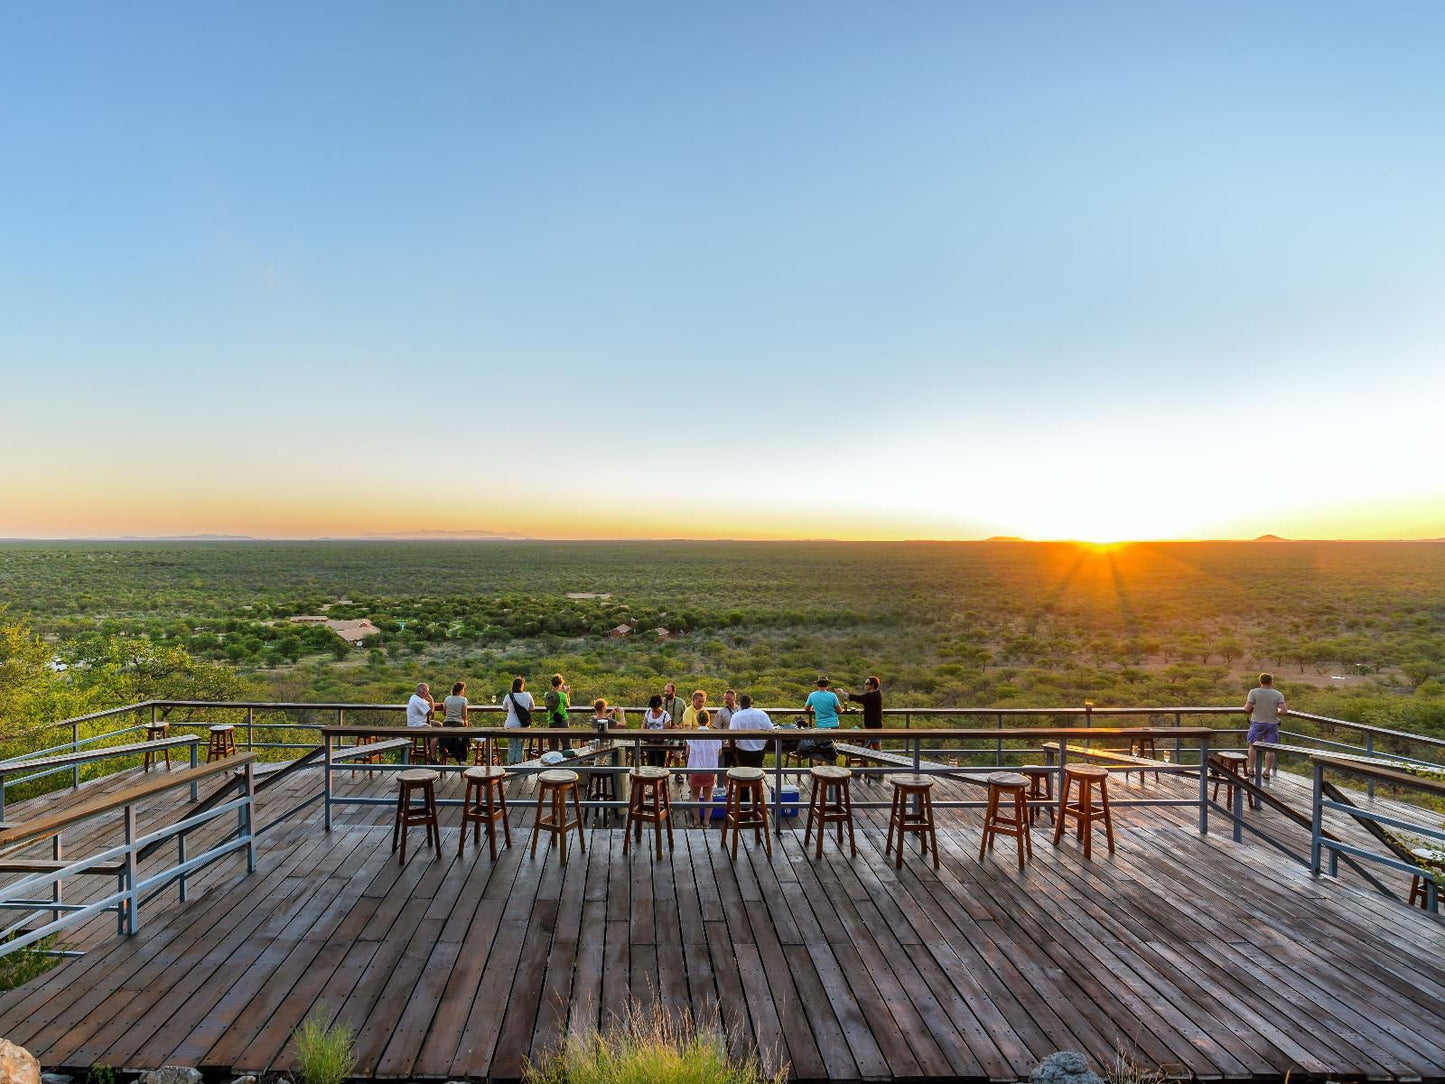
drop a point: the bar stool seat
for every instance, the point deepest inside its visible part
(555, 785)
(649, 801)
(1041, 788)
(1419, 886)
(830, 802)
(421, 781)
(745, 783)
(919, 790)
(1005, 788)
(222, 743)
(1232, 762)
(158, 730)
(484, 802)
(1083, 778)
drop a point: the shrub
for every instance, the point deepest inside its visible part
(21, 966)
(649, 1046)
(323, 1048)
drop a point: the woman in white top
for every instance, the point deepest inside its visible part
(654, 718)
(514, 700)
(702, 771)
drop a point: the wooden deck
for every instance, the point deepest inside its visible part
(1215, 959)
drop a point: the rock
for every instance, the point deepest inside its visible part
(17, 1065)
(171, 1074)
(1065, 1067)
(55, 1078)
(248, 1079)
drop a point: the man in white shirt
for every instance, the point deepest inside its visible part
(419, 712)
(750, 750)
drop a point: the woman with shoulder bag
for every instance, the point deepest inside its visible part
(519, 714)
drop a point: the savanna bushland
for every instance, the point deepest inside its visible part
(1351, 629)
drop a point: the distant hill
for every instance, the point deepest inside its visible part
(1005, 538)
(1271, 538)
(446, 536)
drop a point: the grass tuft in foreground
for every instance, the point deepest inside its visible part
(20, 967)
(650, 1045)
(324, 1048)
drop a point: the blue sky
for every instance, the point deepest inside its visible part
(1117, 270)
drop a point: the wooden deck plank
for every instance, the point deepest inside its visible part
(1198, 952)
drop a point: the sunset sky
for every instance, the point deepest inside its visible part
(944, 270)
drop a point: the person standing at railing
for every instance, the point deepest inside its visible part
(655, 718)
(702, 770)
(672, 703)
(823, 706)
(750, 750)
(722, 720)
(558, 701)
(1265, 704)
(419, 710)
(872, 700)
(519, 714)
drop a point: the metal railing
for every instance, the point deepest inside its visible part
(120, 861)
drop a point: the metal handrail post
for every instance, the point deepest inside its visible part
(1204, 785)
(132, 901)
(247, 814)
(326, 781)
(1178, 745)
(778, 786)
(1317, 818)
(1238, 804)
(74, 748)
(194, 763)
(1369, 752)
(181, 860)
(250, 726)
(998, 745)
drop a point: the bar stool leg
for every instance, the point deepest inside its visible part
(1063, 810)
(932, 832)
(1108, 819)
(813, 809)
(396, 824)
(848, 808)
(537, 824)
(989, 816)
(1021, 811)
(581, 834)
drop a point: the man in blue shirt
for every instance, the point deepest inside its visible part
(822, 704)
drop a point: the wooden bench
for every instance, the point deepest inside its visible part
(1110, 758)
(369, 750)
(20, 765)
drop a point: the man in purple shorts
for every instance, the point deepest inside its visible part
(1265, 705)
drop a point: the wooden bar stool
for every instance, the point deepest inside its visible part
(420, 781)
(1041, 788)
(1419, 886)
(1083, 778)
(737, 814)
(553, 787)
(533, 749)
(222, 743)
(601, 787)
(648, 802)
(158, 731)
(418, 752)
(488, 784)
(1143, 746)
(919, 790)
(1005, 788)
(830, 802)
(1232, 762)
